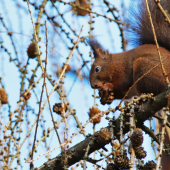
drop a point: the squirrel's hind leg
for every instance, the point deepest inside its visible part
(154, 81)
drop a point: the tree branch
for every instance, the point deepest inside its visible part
(76, 153)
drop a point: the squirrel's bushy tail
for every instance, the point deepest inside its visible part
(140, 27)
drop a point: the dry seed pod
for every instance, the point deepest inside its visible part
(150, 165)
(58, 108)
(122, 162)
(31, 50)
(3, 96)
(137, 137)
(94, 111)
(83, 4)
(112, 166)
(140, 152)
(104, 135)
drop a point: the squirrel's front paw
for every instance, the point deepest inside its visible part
(106, 93)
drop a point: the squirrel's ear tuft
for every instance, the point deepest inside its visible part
(96, 47)
(102, 52)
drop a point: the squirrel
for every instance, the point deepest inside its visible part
(114, 74)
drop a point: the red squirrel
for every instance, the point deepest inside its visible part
(114, 74)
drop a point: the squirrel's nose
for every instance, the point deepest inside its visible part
(95, 86)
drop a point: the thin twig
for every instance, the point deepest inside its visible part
(150, 133)
(161, 118)
(19, 148)
(36, 38)
(86, 156)
(36, 128)
(63, 108)
(121, 133)
(132, 125)
(163, 11)
(166, 113)
(46, 86)
(46, 134)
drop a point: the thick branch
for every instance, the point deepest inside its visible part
(76, 153)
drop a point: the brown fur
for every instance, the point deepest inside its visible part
(123, 69)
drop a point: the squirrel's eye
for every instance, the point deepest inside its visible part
(97, 69)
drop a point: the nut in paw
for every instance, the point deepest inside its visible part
(106, 93)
